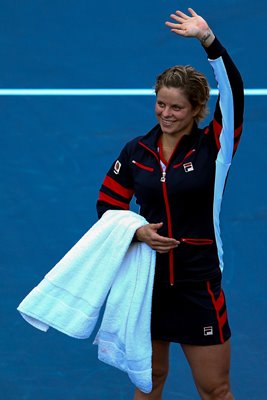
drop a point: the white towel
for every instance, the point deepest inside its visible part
(71, 295)
(124, 336)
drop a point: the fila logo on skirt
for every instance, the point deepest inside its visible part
(208, 330)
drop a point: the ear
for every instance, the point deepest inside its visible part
(196, 110)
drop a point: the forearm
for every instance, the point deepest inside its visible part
(232, 76)
(226, 126)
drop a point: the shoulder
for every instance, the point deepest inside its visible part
(131, 146)
(148, 139)
(133, 142)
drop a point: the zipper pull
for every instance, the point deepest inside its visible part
(163, 177)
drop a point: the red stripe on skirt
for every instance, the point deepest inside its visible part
(218, 305)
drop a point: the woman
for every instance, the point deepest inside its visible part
(177, 173)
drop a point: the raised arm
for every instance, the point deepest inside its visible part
(226, 126)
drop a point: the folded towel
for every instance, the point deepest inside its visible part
(70, 296)
(124, 339)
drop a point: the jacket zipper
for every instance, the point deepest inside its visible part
(168, 212)
(169, 223)
(163, 176)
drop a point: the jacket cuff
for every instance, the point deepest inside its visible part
(215, 50)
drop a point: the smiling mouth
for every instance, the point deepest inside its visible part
(167, 122)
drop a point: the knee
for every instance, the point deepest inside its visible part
(159, 375)
(219, 392)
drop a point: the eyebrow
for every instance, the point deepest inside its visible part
(172, 105)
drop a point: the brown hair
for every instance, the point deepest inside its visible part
(192, 82)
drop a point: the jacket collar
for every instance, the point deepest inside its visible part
(150, 140)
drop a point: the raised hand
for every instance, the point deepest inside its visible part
(191, 26)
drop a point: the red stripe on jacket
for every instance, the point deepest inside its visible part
(110, 200)
(217, 129)
(117, 188)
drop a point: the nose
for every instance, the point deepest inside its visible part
(166, 112)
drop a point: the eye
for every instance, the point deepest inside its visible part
(176, 108)
(161, 104)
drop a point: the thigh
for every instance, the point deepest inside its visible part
(160, 367)
(210, 365)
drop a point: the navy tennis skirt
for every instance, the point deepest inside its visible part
(189, 312)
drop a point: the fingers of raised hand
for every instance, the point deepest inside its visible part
(182, 15)
(181, 24)
(192, 12)
(174, 26)
(180, 29)
(178, 18)
(185, 16)
(179, 21)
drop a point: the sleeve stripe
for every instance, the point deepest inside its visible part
(217, 129)
(110, 200)
(117, 188)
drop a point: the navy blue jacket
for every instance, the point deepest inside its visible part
(187, 199)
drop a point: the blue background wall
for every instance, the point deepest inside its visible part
(54, 154)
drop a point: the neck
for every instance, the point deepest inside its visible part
(170, 141)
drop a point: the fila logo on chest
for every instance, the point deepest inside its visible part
(188, 167)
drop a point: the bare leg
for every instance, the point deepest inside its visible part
(160, 368)
(210, 367)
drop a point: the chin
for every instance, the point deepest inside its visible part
(167, 130)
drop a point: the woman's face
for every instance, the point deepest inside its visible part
(174, 112)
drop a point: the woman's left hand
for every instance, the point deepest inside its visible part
(191, 26)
